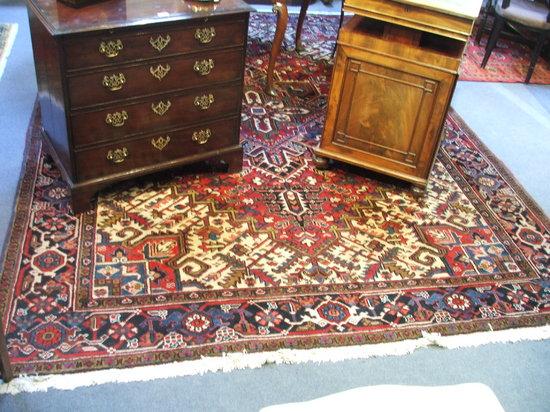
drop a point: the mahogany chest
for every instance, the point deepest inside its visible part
(131, 87)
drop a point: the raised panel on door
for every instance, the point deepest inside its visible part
(385, 112)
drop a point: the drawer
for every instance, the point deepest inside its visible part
(156, 149)
(162, 112)
(159, 76)
(112, 49)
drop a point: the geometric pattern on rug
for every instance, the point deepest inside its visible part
(508, 63)
(8, 31)
(281, 255)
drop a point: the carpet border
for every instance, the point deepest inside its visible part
(20, 212)
(242, 360)
(502, 169)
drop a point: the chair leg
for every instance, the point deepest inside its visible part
(481, 27)
(279, 7)
(300, 25)
(5, 367)
(495, 34)
(535, 55)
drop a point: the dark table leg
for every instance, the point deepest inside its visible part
(300, 25)
(279, 7)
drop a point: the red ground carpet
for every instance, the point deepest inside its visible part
(508, 63)
(280, 256)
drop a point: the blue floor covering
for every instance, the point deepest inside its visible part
(513, 120)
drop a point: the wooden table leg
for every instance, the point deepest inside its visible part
(5, 367)
(280, 8)
(300, 25)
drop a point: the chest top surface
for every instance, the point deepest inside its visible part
(461, 8)
(60, 19)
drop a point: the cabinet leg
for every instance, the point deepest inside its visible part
(81, 198)
(5, 367)
(418, 192)
(234, 161)
(231, 162)
(280, 8)
(320, 162)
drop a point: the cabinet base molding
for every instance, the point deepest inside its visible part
(323, 164)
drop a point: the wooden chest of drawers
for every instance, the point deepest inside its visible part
(394, 76)
(130, 87)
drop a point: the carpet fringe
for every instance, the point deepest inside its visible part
(4, 54)
(242, 360)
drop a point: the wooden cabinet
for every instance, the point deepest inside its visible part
(128, 88)
(391, 89)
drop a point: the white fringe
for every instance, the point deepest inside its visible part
(233, 361)
(4, 54)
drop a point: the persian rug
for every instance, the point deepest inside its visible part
(279, 256)
(8, 31)
(508, 63)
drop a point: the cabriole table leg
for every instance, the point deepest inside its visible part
(280, 8)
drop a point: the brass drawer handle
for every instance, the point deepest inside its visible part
(204, 102)
(160, 42)
(160, 142)
(204, 67)
(202, 136)
(205, 35)
(161, 108)
(111, 48)
(116, 119)
(118, 155)
(160, 71)
(114, 81)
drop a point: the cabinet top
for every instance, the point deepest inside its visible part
(461, 8)
(60, 19)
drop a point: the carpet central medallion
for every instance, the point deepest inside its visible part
(281, 255)
(258, 235)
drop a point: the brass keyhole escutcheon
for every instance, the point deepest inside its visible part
(161, 108)
(160, 42)
(160, 71)
(160, 142)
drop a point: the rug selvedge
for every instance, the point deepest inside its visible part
(125, 284)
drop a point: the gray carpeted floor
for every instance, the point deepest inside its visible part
(513, 120)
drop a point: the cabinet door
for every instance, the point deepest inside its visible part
(390, 112)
